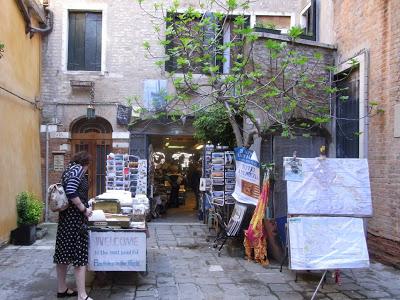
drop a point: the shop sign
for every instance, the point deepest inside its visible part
(247, 187)
(117, 251)
(58, 162)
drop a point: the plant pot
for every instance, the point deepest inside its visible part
(267, 30)
(24, 235)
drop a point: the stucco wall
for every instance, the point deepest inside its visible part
(374, 26)
(19, 120)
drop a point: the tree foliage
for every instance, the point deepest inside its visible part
(213, 125)
(214, 60)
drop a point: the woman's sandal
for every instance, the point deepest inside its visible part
(66, 294)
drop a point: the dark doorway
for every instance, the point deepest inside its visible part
(275, 147)
(347, 114)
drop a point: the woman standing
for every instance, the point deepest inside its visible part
(72, 235)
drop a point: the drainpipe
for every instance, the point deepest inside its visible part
(47, 175)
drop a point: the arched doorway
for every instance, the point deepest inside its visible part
(95, 137)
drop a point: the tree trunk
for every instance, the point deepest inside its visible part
(235, 126)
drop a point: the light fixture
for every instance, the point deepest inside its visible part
(199, 147)
(176, 147)
(90, 112)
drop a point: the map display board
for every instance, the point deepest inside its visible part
(321, 243)
(331, 186)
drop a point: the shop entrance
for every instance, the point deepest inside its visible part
(175, 171)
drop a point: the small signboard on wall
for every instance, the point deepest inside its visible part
(58, 162)
(124, 114)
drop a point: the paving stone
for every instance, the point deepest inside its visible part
(280, 287)
(189, 291)
(353, 295)
(168, 293)
(337, 296)
(374, 294)
(289, 296)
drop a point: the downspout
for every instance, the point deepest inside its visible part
(47, 175)
(48, 26)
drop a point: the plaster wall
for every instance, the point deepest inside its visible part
(19, 120)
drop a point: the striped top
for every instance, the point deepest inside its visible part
(71, 180)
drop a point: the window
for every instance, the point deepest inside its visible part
(213, 37)
(347, 113)
(84, 41)
(308, 21)
(155, 92)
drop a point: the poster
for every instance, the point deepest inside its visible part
(321, 243)
(117, 251)
(331, 186)
(247, 186)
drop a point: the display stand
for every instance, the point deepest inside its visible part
(343, 186)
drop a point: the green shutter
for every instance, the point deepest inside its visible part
(84, 41)
(93, 42)
(76, 41)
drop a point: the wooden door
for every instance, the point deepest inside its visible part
(98, 149)
(95, 137)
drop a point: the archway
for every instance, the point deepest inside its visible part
(95, 137)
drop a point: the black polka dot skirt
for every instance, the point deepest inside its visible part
(72, 237)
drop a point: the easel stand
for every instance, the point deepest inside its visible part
(323, 278)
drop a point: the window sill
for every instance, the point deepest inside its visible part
(90, 73)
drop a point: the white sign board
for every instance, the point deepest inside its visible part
(331, 186)
(117, 251)
(247, 186)
(58, 162)
(321, 243)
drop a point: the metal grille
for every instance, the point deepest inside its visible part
(101, 152)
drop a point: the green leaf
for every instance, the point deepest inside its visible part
(232, 4)
(295, 32)
(146, 45)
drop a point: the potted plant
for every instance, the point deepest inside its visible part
(29, 212)
(269, 28)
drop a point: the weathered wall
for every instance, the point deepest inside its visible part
(374, 25)
(125, 66)
(19, 120)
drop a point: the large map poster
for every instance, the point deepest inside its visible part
(321, 243)
(331, 186)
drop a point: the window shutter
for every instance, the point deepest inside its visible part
(209, 37)
(93, 42)
(76, 41)
(170, 65)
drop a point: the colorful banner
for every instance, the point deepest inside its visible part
(247, 187)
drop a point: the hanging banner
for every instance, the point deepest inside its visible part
(247, 187)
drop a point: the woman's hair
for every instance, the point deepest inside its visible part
(83, 158)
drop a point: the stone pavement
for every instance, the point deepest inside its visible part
(182, 266)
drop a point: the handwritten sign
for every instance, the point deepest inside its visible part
(117, 251)
(123, 114)
(247, 187)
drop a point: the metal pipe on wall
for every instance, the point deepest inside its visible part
(46, 217)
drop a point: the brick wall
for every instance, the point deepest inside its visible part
(374, 25)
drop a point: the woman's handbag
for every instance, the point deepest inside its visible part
(57, 200)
